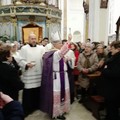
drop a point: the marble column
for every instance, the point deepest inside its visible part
(50, 2)
(94, 9)
(98, 22)
(14, 25)
(86, 20)
(3, 2)
(9, 2)
(57, 4)
(48, 22)
(53, 2)
(86, 24)
(65, 20)
(6, 2)
(103, 28)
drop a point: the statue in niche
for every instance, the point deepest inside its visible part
(103, 3)
(86, 7)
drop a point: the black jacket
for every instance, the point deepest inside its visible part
(10, 82)
(111, 76)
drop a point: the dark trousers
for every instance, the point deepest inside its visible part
(31, 99)
(84, 94)
(71, 82)
(112, 108)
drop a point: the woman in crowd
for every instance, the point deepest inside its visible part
(102, 56)
(76, 73)
(87, 63)
(10, 82)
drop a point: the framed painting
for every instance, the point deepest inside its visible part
(27, 31)
(104, 4)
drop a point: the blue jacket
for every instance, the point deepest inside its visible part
(12, 111)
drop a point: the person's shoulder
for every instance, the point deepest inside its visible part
(25, 46)
(40, 46)
(49, 54)
(4, 65)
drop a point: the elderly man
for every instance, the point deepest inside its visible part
(55, 84)
(32, 53)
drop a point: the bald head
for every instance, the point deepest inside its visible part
(32, 39)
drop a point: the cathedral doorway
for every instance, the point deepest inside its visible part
(31, 28)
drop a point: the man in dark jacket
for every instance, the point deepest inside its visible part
(10, 109)
(111, 82)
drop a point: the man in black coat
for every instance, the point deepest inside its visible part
(111, 82)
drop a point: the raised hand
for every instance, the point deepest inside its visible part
(4, 99)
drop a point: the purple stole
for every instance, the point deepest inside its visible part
(62, 80)
(46, 92)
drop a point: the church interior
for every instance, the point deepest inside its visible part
(97, 20)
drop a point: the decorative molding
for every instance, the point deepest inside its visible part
(37, 10)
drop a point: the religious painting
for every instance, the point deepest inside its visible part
(32, 28)
(104, 4)
(27, 31)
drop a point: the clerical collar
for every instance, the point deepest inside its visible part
(7, 62)
(32, 45)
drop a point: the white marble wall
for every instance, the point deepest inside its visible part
(54, 2)
(75, 18)
(6, 2)
(98, 22)
(6, 29)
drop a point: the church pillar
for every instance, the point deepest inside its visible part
(86, 20)
(6, 2)
(98, 21)
(56, 3)
(9, 2)
(86, 26)
(14, 24)
(48, 21)
(103, 34)
(3, 2)
(65, 20)
(94, 9)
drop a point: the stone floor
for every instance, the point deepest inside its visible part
(77, 112)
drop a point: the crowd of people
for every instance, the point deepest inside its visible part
(47, 73)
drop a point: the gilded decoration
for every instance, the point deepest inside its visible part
(38, 12)
(30, 9)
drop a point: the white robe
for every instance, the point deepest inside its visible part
(32, 76)
(58, 107)
(70, 56)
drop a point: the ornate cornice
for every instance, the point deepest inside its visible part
(36, 10)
